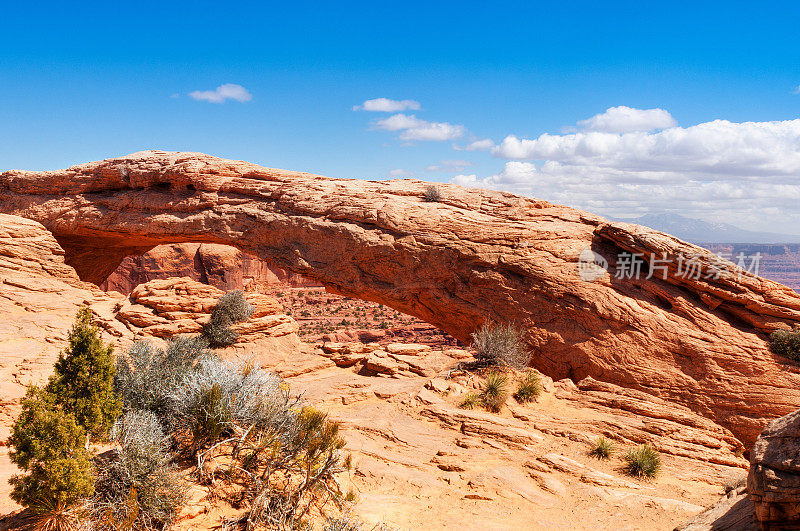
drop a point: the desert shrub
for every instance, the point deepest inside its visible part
(432, 194)
(732, 484)
(529, 388)
(495, 391)
(602, 449)
(49, 445)
(140, 485)
(500, 344)
(786, 343)
(643, 461)
(217, 394)
(147, 376)
(342, 524)
(470, 401)
(231, 308)
(83, 380)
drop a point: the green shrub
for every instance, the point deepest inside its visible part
(529, 388)
(49, 445)
(495, 391)
(432, 194)
(83, 380)
(501, 345)
(230, 309)
(786, 343)
(470, 401)
(603, 448)
(644, 461)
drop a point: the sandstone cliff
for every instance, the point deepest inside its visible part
(473, 256)
(221, 266)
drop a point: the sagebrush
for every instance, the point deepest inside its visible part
(433, 194)
(500, 344)
(231, 308)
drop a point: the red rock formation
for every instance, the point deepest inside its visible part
(473, 256)
(221, 266)
(774, 479)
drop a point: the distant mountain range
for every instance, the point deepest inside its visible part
(699, 231)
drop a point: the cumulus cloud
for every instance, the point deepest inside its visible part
(752, 205)
(624, 119)
(224, 92)
(718, 150)
(450, 166)
(413, 128)
(742, 173)
(387, 105)
(479, 145)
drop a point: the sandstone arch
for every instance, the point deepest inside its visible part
(473, 256)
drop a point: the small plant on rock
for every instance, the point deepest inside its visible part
(433, 194)
(529, 388)
(470, 401)
(495, 391)
(643, 461)
(231, 308)
(786, 343)
(603, 448)
(500, 345)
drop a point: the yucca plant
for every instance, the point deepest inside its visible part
(470, 401)
(603, 448)
(643, 461)
(495, 391)
(529, 388)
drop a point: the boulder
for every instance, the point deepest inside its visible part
(774, 479)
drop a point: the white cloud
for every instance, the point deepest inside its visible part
(751, 205)
(796, 90)
(227, 91)
(718, 150)
(450, 166)
(624, 119)
(413, 128)
(479, 145)
(744, 173)
(400, 173)
(387, 105)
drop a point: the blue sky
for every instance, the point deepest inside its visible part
(87, 81)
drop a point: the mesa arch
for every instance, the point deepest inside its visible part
(473, 256)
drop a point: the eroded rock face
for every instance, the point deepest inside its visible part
(473, 256)
(221, 266)
(774, 479)
(169, 307)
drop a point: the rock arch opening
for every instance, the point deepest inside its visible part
(472, 255)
